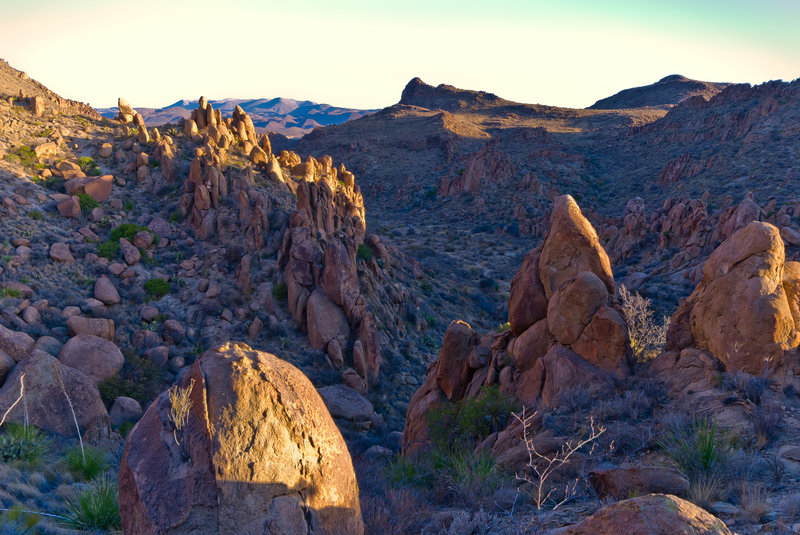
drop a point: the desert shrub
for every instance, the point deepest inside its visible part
(280, 291)
(127, 231)
(790, 507)
(36, 215)
(128, 206)
(24, 443)
(7, 291)
(109, 250)
(468, 475)
(95, 508)
(647, 338)
(696, 446)
(156, 288)
(767, 421)
(87, 202)
(87, 463)
(503, 327)
(138, 379)
(407, 472)
(753, 501)
(364, 251)
(175, 217)
(19, 521)
(748, 386)
(85, 163)
(24, 155)
(470, 419)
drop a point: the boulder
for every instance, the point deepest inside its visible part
(571, 246)
(124, 410)
(15, 343)
(70, 207)
(96, 187)
(259, 453)
(572, 307)
(621, 483)
(46, 404)
(324, 319)
(527, 348)
(60, 252)
(527, 302)
(96, 357)
(345, 403)
(564, 370)
(105, 291)
(654, 514)
(454, 373)
(791, 286)
(100, 327)
(6, 365)
(740, 312)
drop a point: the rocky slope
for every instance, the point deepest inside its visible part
(285, 116)
(667, 92)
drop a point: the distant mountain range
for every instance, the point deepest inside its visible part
(291, 118)
(667, 92)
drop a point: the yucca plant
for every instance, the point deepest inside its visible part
(96, 507)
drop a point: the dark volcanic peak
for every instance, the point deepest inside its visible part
(445, 97)
(667, 92)
(289, 117)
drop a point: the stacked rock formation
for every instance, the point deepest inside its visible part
(744, 312)
(566, 331)
(318, 258)
(259, 453)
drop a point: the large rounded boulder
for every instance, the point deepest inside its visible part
(258, 453)
(653, 514)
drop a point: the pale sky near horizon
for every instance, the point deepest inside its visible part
(361, 53)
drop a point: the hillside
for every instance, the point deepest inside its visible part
(291, 118)
(385, 325)
(667, 92)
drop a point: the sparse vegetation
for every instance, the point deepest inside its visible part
(280, 291)
(88, 463)
(87, 202)
(8, 291)
(364, 252)
(24, 156)
(127, 231)
(97, 507)
(156, 288)
(138, 379)
(109, 250)
(24, 443)
(647, 338)
(180, 401)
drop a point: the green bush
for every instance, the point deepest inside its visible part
(87, 202)
(97, 507)
(19, 521)
(404, 472)
(87, 463)
(127, 231)
(156, 288)
(24, 155)
(138, 379)
(364, 252)
(175, 217)
(22, 443)
(109, 250)
(696, 446)
(470, 419)
(36, 215)
(468, 475)
(280, 291)
(7, 291)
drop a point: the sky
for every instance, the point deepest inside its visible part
(360, 54)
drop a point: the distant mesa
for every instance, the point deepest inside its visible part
(444, 97)
(667, 92)
(291, 118)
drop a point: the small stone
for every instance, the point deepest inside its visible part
(159, 355)
(148, 313)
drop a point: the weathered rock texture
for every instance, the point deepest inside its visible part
(566, 332)
(742, 310)
(318, 258)
(259, 454)
(654, 514)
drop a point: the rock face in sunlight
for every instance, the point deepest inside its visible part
(566, 332)
(654, 514)
(743, 312)
(258, 453)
